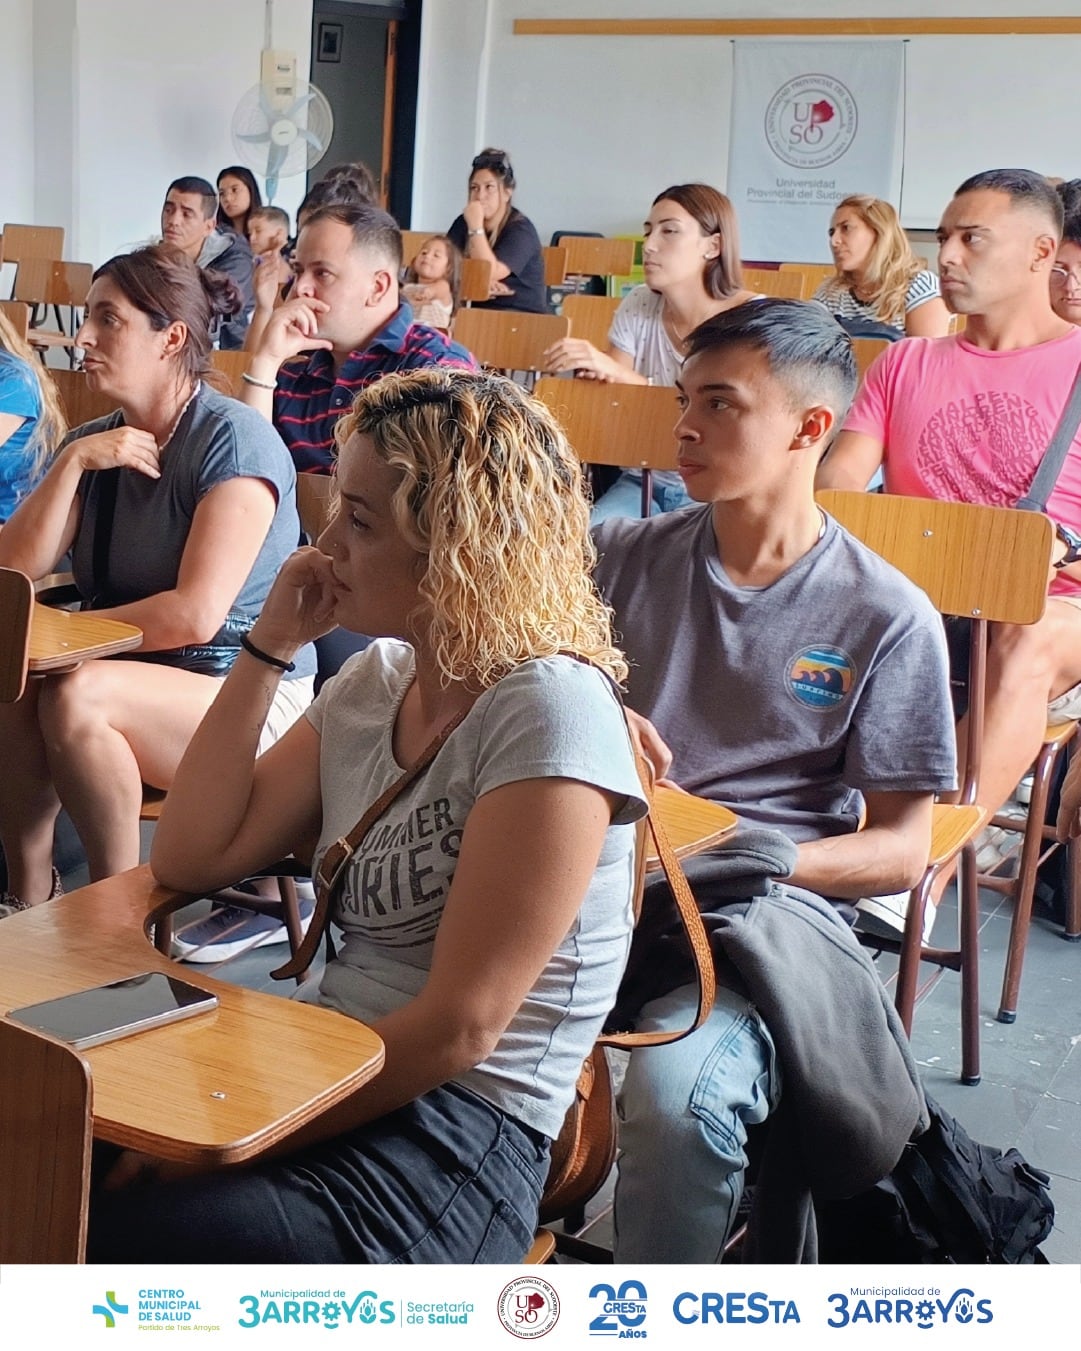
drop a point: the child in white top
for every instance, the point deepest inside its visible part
(431, 281)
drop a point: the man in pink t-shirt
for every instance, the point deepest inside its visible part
(968, 418)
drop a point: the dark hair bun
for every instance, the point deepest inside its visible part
(222, 293)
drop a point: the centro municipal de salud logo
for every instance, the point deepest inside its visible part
(110, 1307)
(528, 1307)
(811, 121)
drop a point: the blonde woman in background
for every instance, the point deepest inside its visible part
(879, 279)
(32, 422)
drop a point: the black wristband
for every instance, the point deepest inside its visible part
(259, 655)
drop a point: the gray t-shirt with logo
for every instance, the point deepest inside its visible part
(553, 718)
(785, 702)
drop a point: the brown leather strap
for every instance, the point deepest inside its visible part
(334, 862)
(696, 937)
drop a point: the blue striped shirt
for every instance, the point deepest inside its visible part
(310, 397)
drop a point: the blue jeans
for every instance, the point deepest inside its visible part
(684, 1109)
(446, 1178)
(624, 497)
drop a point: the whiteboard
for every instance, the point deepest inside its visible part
(974, 103)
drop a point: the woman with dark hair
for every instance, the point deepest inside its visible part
(238, 196)
(492, 229)
(486, 914)
(879, 279)
(1066, 273)
(690, 256)
(178, 511)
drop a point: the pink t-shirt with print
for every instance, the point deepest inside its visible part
(966, 425)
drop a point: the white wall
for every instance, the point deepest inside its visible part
(596, 126)
(156, 88)
(106, 101)
(17, 82)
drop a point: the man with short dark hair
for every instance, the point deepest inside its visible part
(343, 327)
(188, 221)
(968, 419)
(801, 681)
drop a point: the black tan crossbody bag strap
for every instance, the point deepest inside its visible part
(1054, 457)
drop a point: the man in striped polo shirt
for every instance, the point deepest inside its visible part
(342, 328)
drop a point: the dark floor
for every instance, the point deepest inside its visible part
(1030, 1094)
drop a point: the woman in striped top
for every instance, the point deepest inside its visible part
(879, 278)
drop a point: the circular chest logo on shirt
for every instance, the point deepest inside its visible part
(820, 677)
(811, 121)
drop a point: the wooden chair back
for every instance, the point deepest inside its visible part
(813, 274)
(80, 404)
(232, 365)
(316, 497)
(555, 264)
(46, 1115)
(979, 562)
(591, 317)
(865, 350)
(33, 241)
(17, 314)
(48, 281)
(769, 282)
(597, 255)
(412, 241)
(474, 280)
(628, 426)
(509, 340)
(16, 608)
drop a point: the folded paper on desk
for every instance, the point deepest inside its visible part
(90, 1017)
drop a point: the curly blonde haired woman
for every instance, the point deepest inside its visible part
(879, 279)
(32, 422)
(486, 913)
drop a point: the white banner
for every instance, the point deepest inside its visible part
(812, 122)
(564, 1308)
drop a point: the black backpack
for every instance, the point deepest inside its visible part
(948, 1200)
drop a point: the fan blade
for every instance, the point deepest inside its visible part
(301, 102)
(264, 106)
(263, 138)
(312, 139)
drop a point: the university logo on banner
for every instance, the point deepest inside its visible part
(812, 122)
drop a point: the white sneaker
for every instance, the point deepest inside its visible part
(885, 916)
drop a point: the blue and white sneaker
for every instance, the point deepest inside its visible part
(230, 929)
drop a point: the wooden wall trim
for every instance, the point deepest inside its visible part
(731, 28)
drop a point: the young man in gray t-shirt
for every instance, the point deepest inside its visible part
(782, 668)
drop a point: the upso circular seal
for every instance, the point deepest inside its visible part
(528, 1307)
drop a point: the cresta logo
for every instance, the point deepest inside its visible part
(733, 1306)
(109, 1308)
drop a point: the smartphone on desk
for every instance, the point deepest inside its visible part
(91, 1017)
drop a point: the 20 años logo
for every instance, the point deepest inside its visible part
(925, 1313)
(623, 1311)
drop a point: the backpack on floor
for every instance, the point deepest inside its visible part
(948, 1200)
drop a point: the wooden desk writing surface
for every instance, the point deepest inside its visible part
(62, 638)
(218, 1088)
(692, 823)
